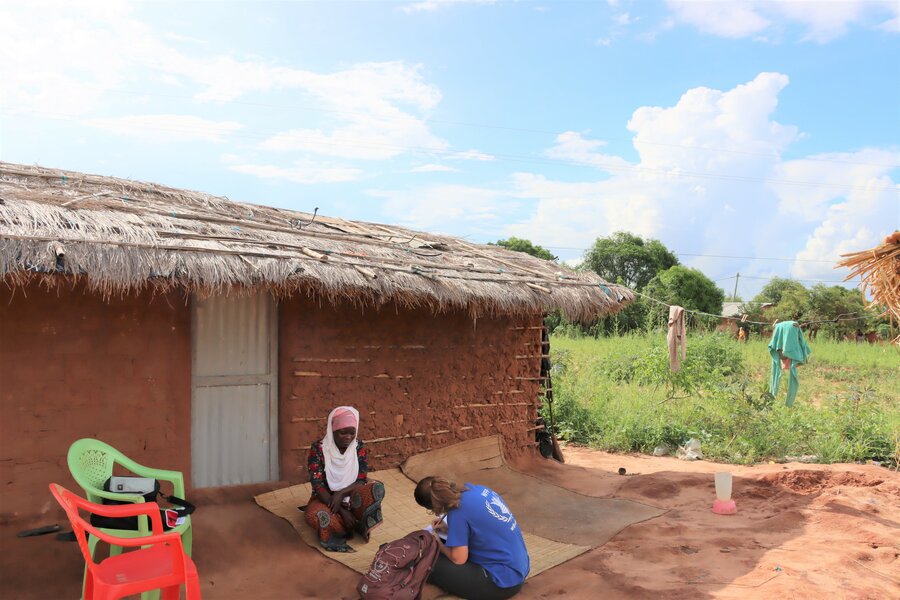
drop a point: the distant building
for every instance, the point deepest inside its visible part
(731, 316)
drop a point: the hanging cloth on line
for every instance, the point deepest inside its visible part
(676, 337)
(788, 349)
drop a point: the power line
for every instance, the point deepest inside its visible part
(836, 282)
(487, 126)
(831, 262)
(840, 317)
(455, 153)
(758, 257)
(795, 279)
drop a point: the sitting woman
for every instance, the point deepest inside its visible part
(484, 557)
(343, 500)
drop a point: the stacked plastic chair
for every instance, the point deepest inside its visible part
(159, 562)
(91, 463)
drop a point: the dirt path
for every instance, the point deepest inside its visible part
(802, 531)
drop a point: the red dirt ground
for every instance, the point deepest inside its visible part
(801, 531)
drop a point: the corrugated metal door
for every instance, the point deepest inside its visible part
(234, 421)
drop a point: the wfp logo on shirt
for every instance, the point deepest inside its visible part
(498, 509)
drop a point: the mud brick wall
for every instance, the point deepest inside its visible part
(74, 365)
(420, 381)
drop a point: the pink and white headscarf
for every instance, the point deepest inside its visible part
(341, 469)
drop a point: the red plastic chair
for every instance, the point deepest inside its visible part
(160, 564)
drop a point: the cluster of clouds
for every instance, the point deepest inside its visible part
(709, 170)
(709, 176)
(765, 20)
(68, 68)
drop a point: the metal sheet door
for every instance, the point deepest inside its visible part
(234, 421)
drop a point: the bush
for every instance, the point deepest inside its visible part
(712, 358)
(619, 395)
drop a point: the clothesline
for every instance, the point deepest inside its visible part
(840, 317)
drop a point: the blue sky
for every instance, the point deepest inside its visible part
(751, 129)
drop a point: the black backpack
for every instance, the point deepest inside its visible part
(149, 489)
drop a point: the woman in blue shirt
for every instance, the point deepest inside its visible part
(484, 557)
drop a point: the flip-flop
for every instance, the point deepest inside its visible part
(39, 531)
(342, 547)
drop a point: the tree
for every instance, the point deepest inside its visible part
(821, 305)
(521, 245)
(834, 302)
(777, 288)
(685, 287)
(793, 306)
(628, 259)
(788, 300)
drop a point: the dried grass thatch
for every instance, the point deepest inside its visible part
(879, 270)
(123, 236)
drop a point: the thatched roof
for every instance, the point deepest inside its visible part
(120, 236)
(879, 270)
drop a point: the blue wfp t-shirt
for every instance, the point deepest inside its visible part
(484, 524)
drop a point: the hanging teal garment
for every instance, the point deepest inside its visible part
(787, 341)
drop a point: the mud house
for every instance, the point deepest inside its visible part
(732, 312)
(210, 336)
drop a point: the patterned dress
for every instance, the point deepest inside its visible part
(364, 502)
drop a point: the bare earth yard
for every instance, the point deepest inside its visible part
(802, 531)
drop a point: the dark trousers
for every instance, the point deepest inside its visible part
(468, 581)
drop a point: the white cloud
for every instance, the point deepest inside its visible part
(167, 128)
(65, 67)
(822, 20)
(725, 18)
(707, 183)
(574, 214)
(455, 209)
(571, 146)
(859, 221)
(826, 20)
(55, 58)
(183, 38)
(685, 137)
(433, 168)
(701, 183)
(371, 108)
(891, 25)
(837, 175)
(470, 155)
(372, 133)
(855, 207)
(301, 172)
(433, 5)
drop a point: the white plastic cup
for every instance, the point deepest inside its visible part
(723, 486)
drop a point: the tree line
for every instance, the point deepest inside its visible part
(647, 266)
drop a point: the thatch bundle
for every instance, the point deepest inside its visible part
(121, 236)
(879, 270)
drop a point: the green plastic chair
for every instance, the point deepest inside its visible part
(91, 464)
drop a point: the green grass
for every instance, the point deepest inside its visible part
(618, 394)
